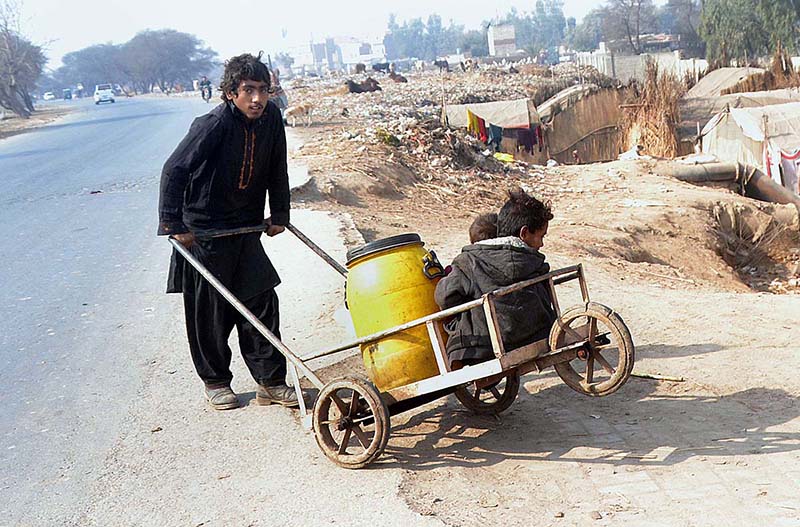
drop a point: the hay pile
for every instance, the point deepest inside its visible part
(651, 115)
(781, 74)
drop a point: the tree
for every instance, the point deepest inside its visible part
(98, 64)
(722, 27)
(475, 42)
(166, 58)
(21, 63)
(780, 19)
(589, 33)
(628, 20)
(682, 17)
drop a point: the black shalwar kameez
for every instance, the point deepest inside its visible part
(219, 177)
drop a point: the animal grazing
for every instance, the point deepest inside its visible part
(300, 111)
(381, 66)
(443, 65)
(367, 85)
(361, 68)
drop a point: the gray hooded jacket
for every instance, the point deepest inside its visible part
(524, 316)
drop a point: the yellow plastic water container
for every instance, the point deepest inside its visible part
(390, 282)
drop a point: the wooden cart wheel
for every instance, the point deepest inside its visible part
(491, 399)
(351, 422)
(605, 361)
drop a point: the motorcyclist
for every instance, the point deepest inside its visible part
(205, 88)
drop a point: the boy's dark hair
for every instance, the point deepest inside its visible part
(522, 210)
(483, 228)
(240, 68)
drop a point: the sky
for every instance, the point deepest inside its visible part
(231, 27)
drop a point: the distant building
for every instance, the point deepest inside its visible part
(341, 54)
(502, 40)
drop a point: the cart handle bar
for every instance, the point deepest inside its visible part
(566, 274)
(219, 233)
(241, 308)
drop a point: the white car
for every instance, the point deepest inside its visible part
(103, 93)
(48, 96)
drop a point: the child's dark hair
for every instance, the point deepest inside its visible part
(483, 228)
(522, 210)
(240, 68)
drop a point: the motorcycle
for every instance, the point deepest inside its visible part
(205, 92)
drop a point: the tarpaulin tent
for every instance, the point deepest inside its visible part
(767, 137)
(518, 113)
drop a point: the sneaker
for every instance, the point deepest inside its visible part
(281, 394)
(221, 398)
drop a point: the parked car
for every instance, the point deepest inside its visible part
(48, 96)
(103, 93)
(66, 94)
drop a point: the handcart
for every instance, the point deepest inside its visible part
(589, 346)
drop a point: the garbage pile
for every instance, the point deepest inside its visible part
(401, 124)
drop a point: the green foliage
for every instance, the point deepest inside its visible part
(732, 29)
(780, 20)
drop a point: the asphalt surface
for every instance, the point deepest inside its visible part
(82, 283)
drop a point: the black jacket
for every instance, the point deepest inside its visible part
(221, 172)
(524, 316)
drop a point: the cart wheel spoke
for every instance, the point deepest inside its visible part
(477, 395)
(345, 441)
(604, 363)
(362, 437)
(339, 404)
(590, 368)
(495, 392)
(353, 405)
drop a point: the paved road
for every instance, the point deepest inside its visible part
(82, 283)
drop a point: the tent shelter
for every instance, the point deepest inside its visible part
(767, 137)
(518, 113)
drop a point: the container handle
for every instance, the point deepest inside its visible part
(432, 268)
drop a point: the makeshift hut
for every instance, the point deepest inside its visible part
(766, 137)
(582, 125)
(503, 125)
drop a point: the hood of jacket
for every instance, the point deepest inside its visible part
(503, 261)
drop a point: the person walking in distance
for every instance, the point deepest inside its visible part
(219, 177)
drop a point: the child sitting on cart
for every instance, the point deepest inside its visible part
(512, 256)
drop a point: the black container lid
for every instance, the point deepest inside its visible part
(382, 245)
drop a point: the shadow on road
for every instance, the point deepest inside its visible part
(645, 424)
(669, 350)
